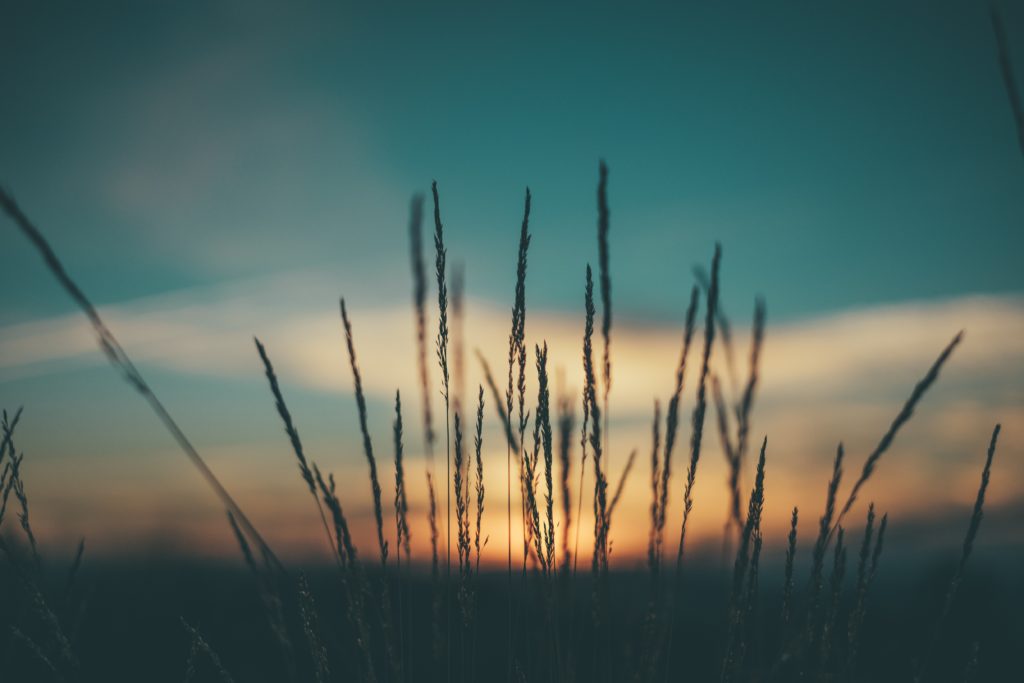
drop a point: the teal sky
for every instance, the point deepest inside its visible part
(845, 155)
(210, 171)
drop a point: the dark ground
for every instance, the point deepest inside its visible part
(128, 617)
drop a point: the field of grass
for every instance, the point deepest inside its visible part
(820, 610)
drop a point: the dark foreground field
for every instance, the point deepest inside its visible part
(838, 609)
(128, 624)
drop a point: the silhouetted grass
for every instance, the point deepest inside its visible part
(965, 554)
(566, 423)
(118, 357)
(701, 406)
(419, 280)
(635, 630)
(441, 347)
(901, 418)
(603, 220)
(1006, 70)
(787, 590)
(516, 358)
(671, 428)
(293, 436)
(199, 645)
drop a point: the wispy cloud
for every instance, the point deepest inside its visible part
(866, 353)
(840, 376)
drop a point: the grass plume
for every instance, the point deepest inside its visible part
(293, 437)
(672, 427)
(566, 424)
(696, 438)
(904, 415)
(371, 460)
(599, 561)
(652, 556)
(479, 482)
(402, 535)
(965, 554)
(516, 358)
(199, 644)
(458, 330)
(419, 298)
(745, 408)
(441, 346)
(543, 422)
(787, 585)
(16, 483)
(744, 575)
(701, 407)
(419, 294)
(603, 224)
(394, 660)
(822, 542)
(462, 518)
(867, 565)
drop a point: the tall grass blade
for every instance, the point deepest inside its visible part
(441, 344)
(787, 584)
(965, 554)
(118, 357)
(516, 357)
(293, 438)
(606, 282)
(904, 415)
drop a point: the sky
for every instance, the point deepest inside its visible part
(210, 173)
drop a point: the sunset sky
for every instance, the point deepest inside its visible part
(210, 180)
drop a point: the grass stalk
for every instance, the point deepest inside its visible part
(566, 424)
(419, 281)
(441, 343)
(353, 579)
(199, 644)
(671, 428)
(118, 357)
(311, 627)
(273, 607)
(603, 224)
(480, 493)
(867, 565)
(901, 418)
(744, 576)
(696, 440)
(402, 535)
(787, 584)
(958, 574)
(293, 438)
(516, 357)
(386, 619)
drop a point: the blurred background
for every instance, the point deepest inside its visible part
(213, 173)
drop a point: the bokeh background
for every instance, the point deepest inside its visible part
(210, 174)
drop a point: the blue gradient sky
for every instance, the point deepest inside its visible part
(845, 155)
(183, 157)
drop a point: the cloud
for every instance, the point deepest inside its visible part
(869, 353)
(842, 376)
